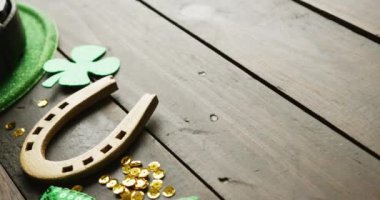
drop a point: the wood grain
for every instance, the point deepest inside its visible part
(8, 190)
(364, 14)
(240, 137)
(80, 135)
(329, 69)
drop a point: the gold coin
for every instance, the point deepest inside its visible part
(168, 191)
(126, 160)
(154, 166)
(126, 169)
(144, 173)
(134, 171)
(42, 103)
(129, 176)
(159, 174)
(137, 195)
(141, 184)
(112, 183)
(156, 184)
(126, 195)
(153, 193)
(136, 163)
(118, 189)
(104, 179)
(19, 132)
(78, 188)
(10, 125)
(129, 182)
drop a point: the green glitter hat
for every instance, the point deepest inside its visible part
(27, 40)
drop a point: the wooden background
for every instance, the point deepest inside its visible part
(294, 89)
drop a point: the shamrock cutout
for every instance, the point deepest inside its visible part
(86, 61)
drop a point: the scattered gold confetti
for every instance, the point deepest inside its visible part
(136, 163)
(126, 169)
(126, 160)
(78, 188)
(19, 132)
(129, 182)
(10, 125)
(153, 193)
(137, 195)
(156, 184)
(126, 195)
(144, 173)
(168, 191)
(159, 174)
(118, 189)
(134, 171)
(104, 179)
(154, 166)
(141, 184)
(112, 183)
(42, 103)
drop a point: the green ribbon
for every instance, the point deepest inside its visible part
(58, 193)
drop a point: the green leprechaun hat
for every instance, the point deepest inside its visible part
(27, 40)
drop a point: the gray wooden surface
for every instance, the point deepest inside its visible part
(326, 67)
(260, 147)
(364, 13)
(8, 190)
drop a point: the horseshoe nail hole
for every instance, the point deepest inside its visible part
(121, 135)
(67, 169)
(106, 148)
(62, 106)
(49, 117)
(37, 131)
(88, 160)
(29, 146)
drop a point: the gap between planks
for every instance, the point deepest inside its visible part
(307, 49)
(340, 21)
(172, 117)
(268, 84)
(207, 185)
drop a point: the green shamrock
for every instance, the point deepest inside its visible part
(86, 61)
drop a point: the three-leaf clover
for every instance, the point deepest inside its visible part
(86, 61)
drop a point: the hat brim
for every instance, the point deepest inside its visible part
(41, 42)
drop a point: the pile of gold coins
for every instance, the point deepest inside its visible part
(136, 181)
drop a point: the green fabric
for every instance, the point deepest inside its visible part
(86, 61)
(41, 43)
(58, 193)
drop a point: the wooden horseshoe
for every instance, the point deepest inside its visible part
(32, 156)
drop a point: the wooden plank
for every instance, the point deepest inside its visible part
(260, 147)
(8, 190)
(81, 135)
(324, 66)
(363, 14)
